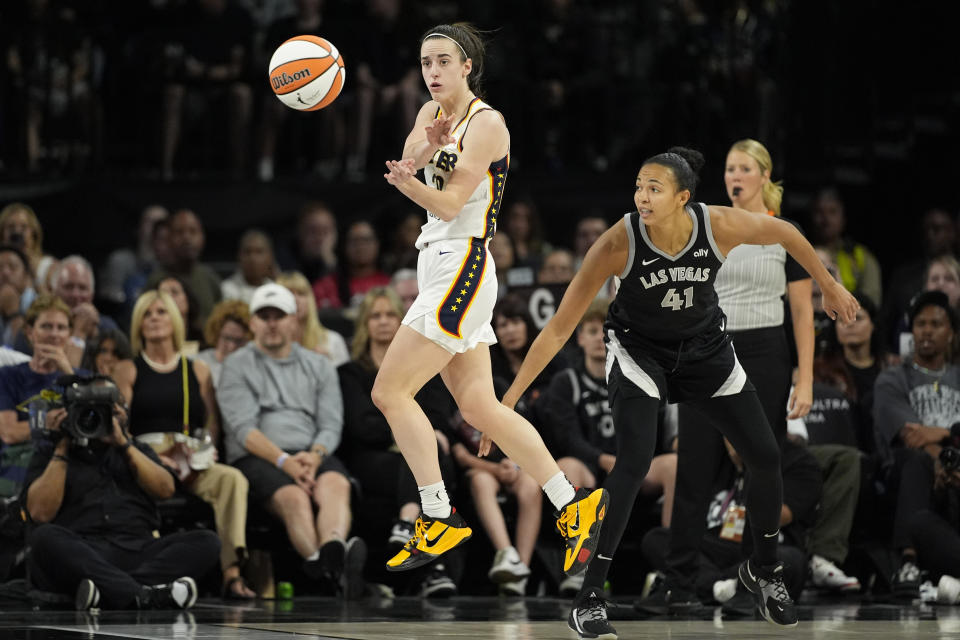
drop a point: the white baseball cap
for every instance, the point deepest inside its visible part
(273, 295)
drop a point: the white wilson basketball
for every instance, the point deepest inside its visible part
(307, 73)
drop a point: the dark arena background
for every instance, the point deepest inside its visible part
(113, 109)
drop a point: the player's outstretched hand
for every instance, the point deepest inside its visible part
(399, 171)
(438, 131)
(839, 304)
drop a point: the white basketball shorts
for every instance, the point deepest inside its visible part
(458, 288)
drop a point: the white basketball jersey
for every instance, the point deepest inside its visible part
(478, 218)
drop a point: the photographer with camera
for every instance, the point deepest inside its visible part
(48, 330)
(916, 413)
(935, 532)
(91, 489)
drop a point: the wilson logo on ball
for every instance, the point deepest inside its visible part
(284, 79)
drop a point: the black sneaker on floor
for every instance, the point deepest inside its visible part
(179, 594)
(906, 581)
(769, 592)
(668, 600)
(329, 564)
(588, 618)
(87, 596)
(438, 583)
(352, 584)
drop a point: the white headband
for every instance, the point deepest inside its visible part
(440, 35)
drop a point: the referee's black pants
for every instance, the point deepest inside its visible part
(59, 559)
(765, 357)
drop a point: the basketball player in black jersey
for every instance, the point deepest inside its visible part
(666, 342)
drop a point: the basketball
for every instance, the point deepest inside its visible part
(307, 73)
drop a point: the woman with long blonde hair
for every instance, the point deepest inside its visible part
(172, 400)
(311, 334)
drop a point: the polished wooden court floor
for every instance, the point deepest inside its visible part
(467, 618)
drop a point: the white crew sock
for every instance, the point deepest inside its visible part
(434, 500)
(559, 490)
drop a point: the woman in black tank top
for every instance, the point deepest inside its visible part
(666, 334)
(170, 396)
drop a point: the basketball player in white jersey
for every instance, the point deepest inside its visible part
(464, 148)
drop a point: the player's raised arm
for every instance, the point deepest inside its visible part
(732, 227)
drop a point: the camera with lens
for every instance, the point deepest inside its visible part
(950, 458)
(89, 403)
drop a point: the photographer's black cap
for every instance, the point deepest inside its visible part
(932, 299)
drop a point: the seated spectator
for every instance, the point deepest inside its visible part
(588, 230)
(186, 302)
(368, 446)
(105, 351)
(557, 268)
(20, 227)
(524, 227)
(283, 416)
(508, 275)
(48, 331)
(831, 412)
(309, 333)
(73, 282)
(941, 274)
(857, 266)
(256, 266)
(915, 407)
(939, 236)
(721, 548)
(171, 399)
(127, 262)
(861, 346)
(515, 333)
(208, 57)
(404, 284)
(187, 241)
(136, 282)
(117, 560)
(16, 292)
(315, 251)
(403, 252)
(228, 329)
(358, 272)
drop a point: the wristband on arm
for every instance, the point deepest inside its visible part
(281, 459)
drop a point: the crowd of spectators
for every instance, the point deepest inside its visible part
(271, 366)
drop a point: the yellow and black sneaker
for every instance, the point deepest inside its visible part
(431, 539)
(579, 523)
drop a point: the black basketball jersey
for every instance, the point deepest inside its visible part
(668, 298)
